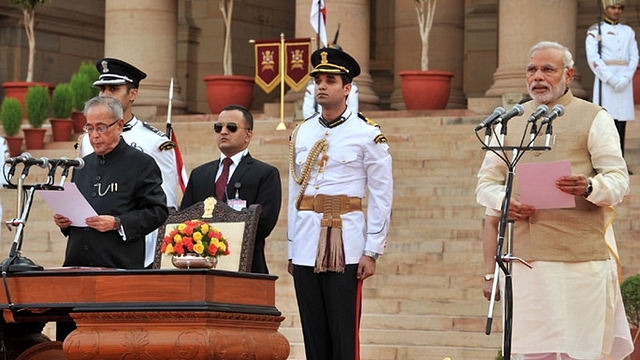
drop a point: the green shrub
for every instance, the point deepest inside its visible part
(62, 101)
(11, 115)
(630, 289)
(81, 85)
(38, 105)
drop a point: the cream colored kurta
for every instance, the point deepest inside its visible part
(569, 307)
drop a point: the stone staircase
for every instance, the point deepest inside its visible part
(425, 301)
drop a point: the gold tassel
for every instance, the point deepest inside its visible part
(330, 255)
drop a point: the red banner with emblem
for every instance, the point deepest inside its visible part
(298, 57)
(267, 64)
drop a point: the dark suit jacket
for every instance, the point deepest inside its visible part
(259, 183)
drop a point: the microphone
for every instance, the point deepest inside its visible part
(78, 163)
(42, 162)
(18, 159)
(517, 110)
(492, 118)
(541, 111)
(557, 111)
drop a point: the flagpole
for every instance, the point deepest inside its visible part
(169, 109)
(281, 125)
(319, 20)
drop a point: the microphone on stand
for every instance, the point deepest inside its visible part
(517, 110)
(15, 161)
(28, 163)
(541, 111)
(489, 121)
(557, 111)
(78, 163)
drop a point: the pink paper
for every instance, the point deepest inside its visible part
(537, 184)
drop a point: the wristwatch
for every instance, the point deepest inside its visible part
(589, 189)
(488, 277)
(371, 254)
(117, 224)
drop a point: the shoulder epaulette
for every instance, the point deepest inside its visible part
(367, 120)
(167, 145)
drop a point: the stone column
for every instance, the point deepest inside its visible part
(353, 17)
(521, 25)
(446, 46)
(144, 33)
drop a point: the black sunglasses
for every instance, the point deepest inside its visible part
(231, 126)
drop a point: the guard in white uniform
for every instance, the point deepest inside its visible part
(613, 60)
(121, 80)
(336, 159)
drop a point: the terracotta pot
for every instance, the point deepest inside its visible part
(34, 138)
(61, 129)
(15, 145)
(426, 90)
(18, 90)
(78, 121)
(223, 90)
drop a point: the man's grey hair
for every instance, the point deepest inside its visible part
(567, 59)
(109, 102)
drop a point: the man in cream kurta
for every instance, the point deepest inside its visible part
(568, 304)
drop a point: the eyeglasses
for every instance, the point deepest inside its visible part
(231, 126)
(546, 70)
(100, 128)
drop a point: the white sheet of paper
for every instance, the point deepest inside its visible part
(69, 203)
(537, 184)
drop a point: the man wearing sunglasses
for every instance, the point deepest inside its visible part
(121, 80)
(337, 157)
(243, 182)
(130, 203)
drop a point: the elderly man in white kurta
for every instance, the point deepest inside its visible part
(613, 60)
(568, 305)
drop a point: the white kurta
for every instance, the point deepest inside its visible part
(615, 67)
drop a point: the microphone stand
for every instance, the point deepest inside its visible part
(505, 231)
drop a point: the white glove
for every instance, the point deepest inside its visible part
(622, 84)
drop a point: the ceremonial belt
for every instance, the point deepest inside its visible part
(337, 204)
(617, 62)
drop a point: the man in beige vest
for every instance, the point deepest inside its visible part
(567, 306)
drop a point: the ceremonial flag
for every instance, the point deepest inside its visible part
(318, 19)
(267, 64)
(298, 60)
(183, 177)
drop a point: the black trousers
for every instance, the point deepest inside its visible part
(329, 305)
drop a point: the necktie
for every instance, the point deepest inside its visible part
(221, 183)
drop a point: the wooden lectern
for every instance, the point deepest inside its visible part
(193, 314)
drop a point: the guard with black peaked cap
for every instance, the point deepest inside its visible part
(334, 61)
(118, 72)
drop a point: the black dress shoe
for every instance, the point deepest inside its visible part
(629, 171)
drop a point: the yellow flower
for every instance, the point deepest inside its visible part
(177, 238)
(197, 236)
(204, 227)
(198, 248)
(169, 249)
(182, 227)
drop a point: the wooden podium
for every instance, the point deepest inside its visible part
(152, 314)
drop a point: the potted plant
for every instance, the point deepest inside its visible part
(83, 90)
(425, 89)
(37, 103)
(11, 116)
(62, 104)
(226, 89)
(630, 290)
(18, 89)
(195, 243)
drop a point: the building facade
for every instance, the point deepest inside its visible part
(483, 42)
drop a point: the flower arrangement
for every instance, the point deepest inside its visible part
(195, 236)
